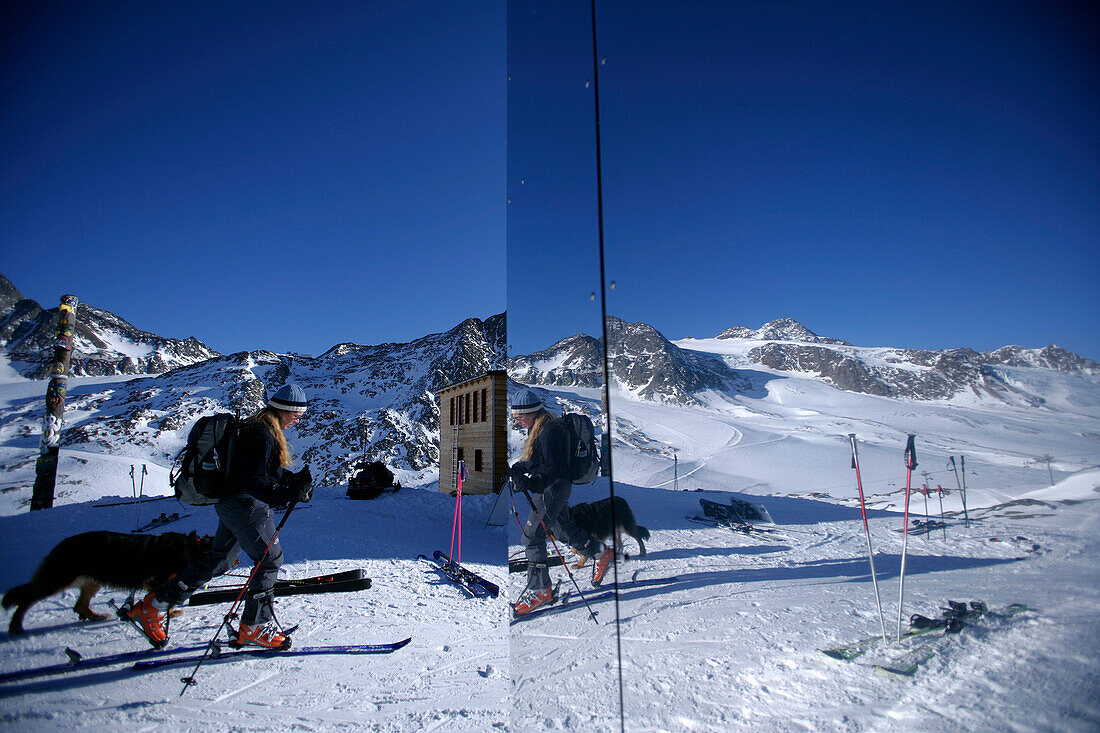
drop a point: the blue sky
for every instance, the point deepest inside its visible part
(288, 177)
(276, 175)
(892, 174)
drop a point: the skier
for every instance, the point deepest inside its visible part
(257, 468)
(543, 474)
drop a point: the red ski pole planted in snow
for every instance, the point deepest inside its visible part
(867, 531)
(456, 527)
(910, 464)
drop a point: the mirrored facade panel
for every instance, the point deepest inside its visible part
(563, 637)
(791, 193)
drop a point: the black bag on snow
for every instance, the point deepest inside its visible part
(584, 456)
(370, 480)
(200, 475)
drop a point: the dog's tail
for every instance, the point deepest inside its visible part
(17, 596)
(643, 532)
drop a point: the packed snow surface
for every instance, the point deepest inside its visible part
(729, 641)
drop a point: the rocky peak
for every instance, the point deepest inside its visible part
(781, 329)
(103, 343)
(641, 361)
(1049, 357)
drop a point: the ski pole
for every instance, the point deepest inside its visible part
(137, 504)
(558, 550)
(910, 464)
(456, 527)
(965, 515)
(953, 467)
(867, 531)
(924, 490)
(943, 519)
(190, 680)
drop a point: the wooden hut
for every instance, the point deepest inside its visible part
(473, 428)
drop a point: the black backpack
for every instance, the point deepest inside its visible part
(200, 475)
(584, 456)
(370, 480)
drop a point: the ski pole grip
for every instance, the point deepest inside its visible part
(852, 437)
(911, 452)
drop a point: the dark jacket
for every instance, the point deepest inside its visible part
(549, 461)
(255, 467)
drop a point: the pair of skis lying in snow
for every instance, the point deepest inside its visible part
(144, 659)
(469, 581)
(924, 640)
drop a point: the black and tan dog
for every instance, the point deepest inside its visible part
(595, 518)
(112, 559)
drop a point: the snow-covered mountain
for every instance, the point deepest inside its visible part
(646, 364)
(643, 363)
(103, 344)
(782, 329)
(787, 346)
(375, 401)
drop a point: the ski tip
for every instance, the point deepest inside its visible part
(402, 643)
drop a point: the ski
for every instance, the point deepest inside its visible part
(736, 526)
(908, 663)
(519, 566)
(220, 653)
(921, 626)
(356, 574)
(131, 502)
(230, 595)
(737, 511)
(565, 601)
(160, 521)
(290, 588)
(473, 583)
(862, 646)
(921, 526)
(77, 662)
(918, 626)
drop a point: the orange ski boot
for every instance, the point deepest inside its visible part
(599, 570)
(268, 636)
(151, 617)
(533, 598)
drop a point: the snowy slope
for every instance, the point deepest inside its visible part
(452, 676)
(730, 645)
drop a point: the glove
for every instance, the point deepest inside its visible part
(302, 484)
(294, 487)
(523, 480)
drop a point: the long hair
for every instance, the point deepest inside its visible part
(268, 417)
(542, 419)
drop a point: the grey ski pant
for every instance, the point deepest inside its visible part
(245, 523)
(553, 505)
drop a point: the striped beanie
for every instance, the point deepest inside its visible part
(289, 398)
(525, 401)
